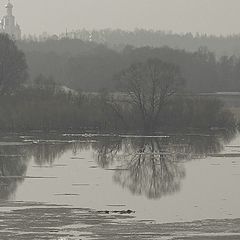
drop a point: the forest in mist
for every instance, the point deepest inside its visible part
(118, 39)
(134, 89)
(91, 65)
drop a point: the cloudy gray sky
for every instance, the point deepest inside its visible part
(54, 16)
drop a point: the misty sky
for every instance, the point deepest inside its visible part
(54, 16)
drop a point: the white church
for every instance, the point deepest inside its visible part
(8, 24)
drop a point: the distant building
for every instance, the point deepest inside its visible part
(8, 25)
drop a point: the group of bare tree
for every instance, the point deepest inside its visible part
(149, 86)
(154, 166)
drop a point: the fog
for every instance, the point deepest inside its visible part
(205, 16)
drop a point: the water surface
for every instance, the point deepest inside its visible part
(175, 178)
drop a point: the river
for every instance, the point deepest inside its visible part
(71, 185)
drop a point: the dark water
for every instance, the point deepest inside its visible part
(166, 179)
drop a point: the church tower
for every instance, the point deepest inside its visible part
(9, 8)
(8, 25)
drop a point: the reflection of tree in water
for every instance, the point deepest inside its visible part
(150, 170)
(48, 153)
(107, 149)
(151, 166)
(13, 163)
(144, 165)
(154, 166)
(14, 160)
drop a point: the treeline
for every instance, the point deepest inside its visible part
(41, 109)
(118, 39)
(150, 95)
(47, 110)
(92, 67)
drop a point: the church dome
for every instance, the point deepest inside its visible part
(9, 5)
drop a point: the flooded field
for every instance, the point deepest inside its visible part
(89, 186)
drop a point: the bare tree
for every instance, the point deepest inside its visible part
(149, 86)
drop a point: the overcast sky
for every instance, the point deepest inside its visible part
(54, 16)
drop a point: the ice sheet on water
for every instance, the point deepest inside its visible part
(144, 136)
(13, 143)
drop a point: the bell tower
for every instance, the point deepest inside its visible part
(8, 25)
(9, 8)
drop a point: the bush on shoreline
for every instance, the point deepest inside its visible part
(39, 109)
(197, 113)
